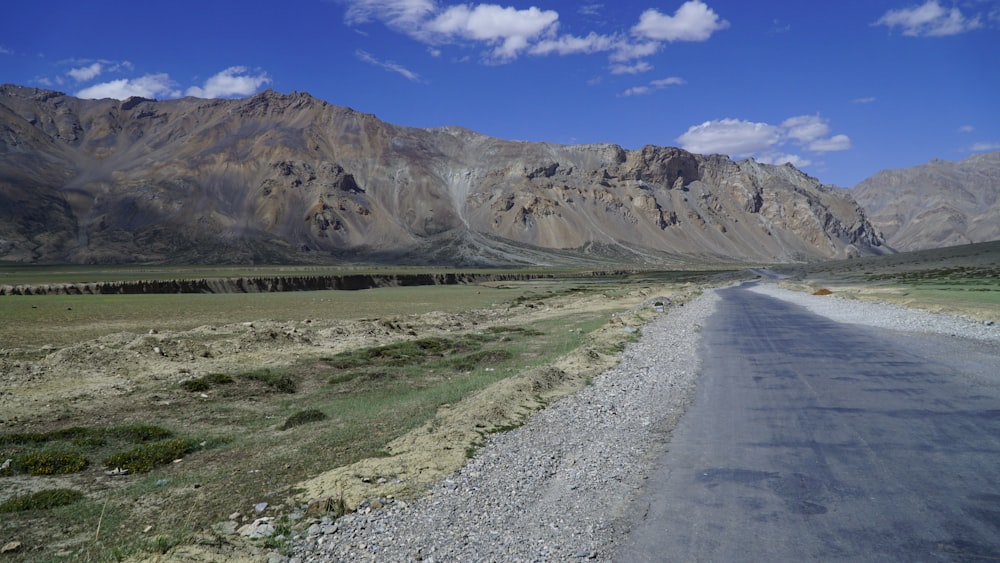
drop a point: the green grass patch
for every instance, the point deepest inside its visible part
(50, 462)
(140, 433)
(60, 320)
(983, 278)
(144, 458)
(70, 450)
(409, 352)
(277, 380)
(481, 359)
(206, 382)
(303, 417)
(514, 330)
(23, 438)
(196, 385)
(427, 361)
(41, 500)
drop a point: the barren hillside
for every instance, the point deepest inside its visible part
(290, 178)
(941, 203)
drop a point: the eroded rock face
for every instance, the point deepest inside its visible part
(291, 178)
(941, 203)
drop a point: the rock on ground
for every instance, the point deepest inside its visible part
(557, 488)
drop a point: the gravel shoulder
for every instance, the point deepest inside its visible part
(559, 487)
(886, 315)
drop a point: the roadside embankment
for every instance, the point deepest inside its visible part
(554, 489)
(270, 284)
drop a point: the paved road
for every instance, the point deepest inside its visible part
(810, 440)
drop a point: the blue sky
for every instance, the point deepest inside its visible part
(840, 89)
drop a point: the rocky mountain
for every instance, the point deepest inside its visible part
(941, 203)
(290, 178)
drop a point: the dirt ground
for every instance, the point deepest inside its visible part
(104, 379)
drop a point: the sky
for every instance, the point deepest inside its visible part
(839, 89)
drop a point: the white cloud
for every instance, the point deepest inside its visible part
(637, 68)
(510, 29)
(5, 51)
(637, 91)
(149, 86)
(626, 51)
(406, 14)
(730, 136)
(985, 147)
(780, 27)
(929, 19)
(86, 70)
(654, 85)
(233, 81)
(781, 158)
(866, 100)
(693, 21)
(966, 129)
(85, 73)
(805, 128)
(510, 32)
(570, 45)
(764, 141)
(367, 57)
(669, 81)
(833, 144)
(490, 21)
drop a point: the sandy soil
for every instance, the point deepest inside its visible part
(42, 388)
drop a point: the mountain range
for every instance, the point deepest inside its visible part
(941, 203)
(293, 179)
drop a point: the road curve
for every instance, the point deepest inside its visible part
(813, 440)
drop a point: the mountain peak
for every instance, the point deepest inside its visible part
(291, 178)
(941, 203)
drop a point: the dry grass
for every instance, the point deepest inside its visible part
(235, 401)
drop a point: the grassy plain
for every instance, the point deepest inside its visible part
(376, 364)
(961, 280)
(33, 321)
(267, 391)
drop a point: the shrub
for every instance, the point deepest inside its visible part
(345, 377)
(41, 500)
(195, 385)
(72, 433)
(204, 383)
(144, 458)
(280, 382)
(303, 417)
(514, 330)
(50, 462)
(470, 362)
(22, 438)
(163, 543)
(141, 433)
(218, 379)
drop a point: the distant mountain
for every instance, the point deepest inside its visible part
(290, 178)
(941, 203)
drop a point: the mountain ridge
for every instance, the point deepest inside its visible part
(289, 177)
(940, 203)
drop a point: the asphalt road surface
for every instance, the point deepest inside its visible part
(810, 440)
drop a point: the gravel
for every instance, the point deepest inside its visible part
(561, 487)
(886, 315)
(556, 489)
